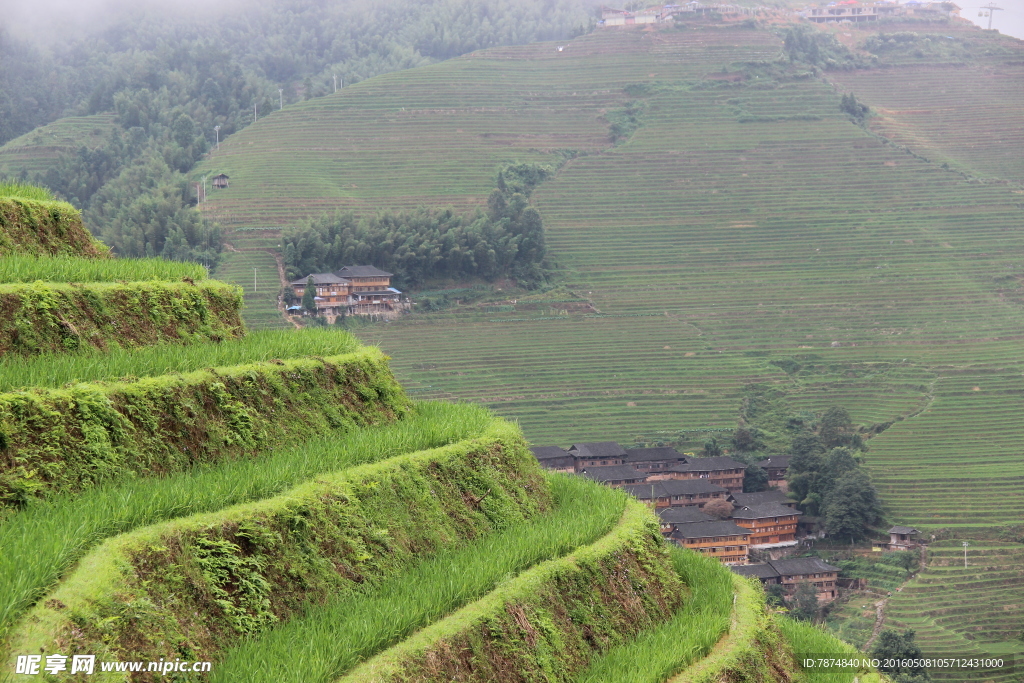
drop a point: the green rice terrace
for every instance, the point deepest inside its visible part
(741, 229)
(37, 150)
(275, 506)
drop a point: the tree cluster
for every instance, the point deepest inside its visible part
(849, 105)
(505, 241)
(809, 46)
(826, 477)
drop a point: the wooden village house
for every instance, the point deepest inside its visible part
(353, 290)
(792, 572)
(722, 539)
(720, 470)
(220, 181)
(771, 525)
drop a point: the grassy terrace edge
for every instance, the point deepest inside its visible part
(550, 620)
(187, 587)
(65, 440)
(49, 317)
(31, 226)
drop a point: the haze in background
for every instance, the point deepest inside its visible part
(50, 22)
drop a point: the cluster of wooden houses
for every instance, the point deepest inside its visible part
(679, 486)
(353, 290)
(844, 10)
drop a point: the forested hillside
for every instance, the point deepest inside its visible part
(172, 79)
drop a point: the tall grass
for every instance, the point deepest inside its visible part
(40, 542)
(28, 268)
(56, 370)
(332, 638)
(658, 653)
(22, 191)
(807, 639)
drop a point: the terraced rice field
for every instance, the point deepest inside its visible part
(36, 150)
(743, 223)
(937, 603)
(248, 262)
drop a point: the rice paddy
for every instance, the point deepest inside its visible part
(343, 632)
(744, 222)
(40, 542)
(58, 370)
(24, 268)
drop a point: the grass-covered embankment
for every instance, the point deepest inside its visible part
(189, 587)
(40, 542)
(59, 369)
(47, 317)
(334, 637)
(64, 268)
(690, 634)
(808, 640)
(549, 621)
(752, 650)
(63, 440)
(31, 224)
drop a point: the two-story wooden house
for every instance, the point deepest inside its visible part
(671, 517)
(721, 539)
(776, 466)
(353, 290)
(653, 459)
(677, 493)
(720, 470)
(792, 572)
(598, 454)
(771, 525)
(554, 458)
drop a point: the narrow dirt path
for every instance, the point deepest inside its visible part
(284, 283)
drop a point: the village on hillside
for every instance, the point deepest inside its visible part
(821, 13)
(701, 506)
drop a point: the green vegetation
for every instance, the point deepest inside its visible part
(655, 655)
(344, 631)
(50, 318)
(57, 370)
(41, 541)
(972, 611)
(752, 650)
(23, 268)
(550, 620)
(507, 241)
(40, 149)
(187, 587)
(63, 440)
(806, 639)
(22, 191)
(899, 646)
(39, 226)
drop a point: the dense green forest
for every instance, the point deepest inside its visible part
(172, 79)
(505, 241)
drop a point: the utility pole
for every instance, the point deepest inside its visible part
(253, 280)
(216, 129)
(280, 94)
(204, 189)
(342, 81)
(991, 7)
(335, 82)
(254, 111)
(965, 553)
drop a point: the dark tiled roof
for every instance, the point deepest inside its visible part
(363, 271)
(321, 279)
(775, 461)
(762, 511)
(721, 462)
(614, 473)
(761, 571)
(673, 487)
(379, 292)
(558, 463)
(903, 530)
(542, 452)
(761, 497)
(598, 449)
(652, 454)
(801, 565)
(708, 529)
(683, 515)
